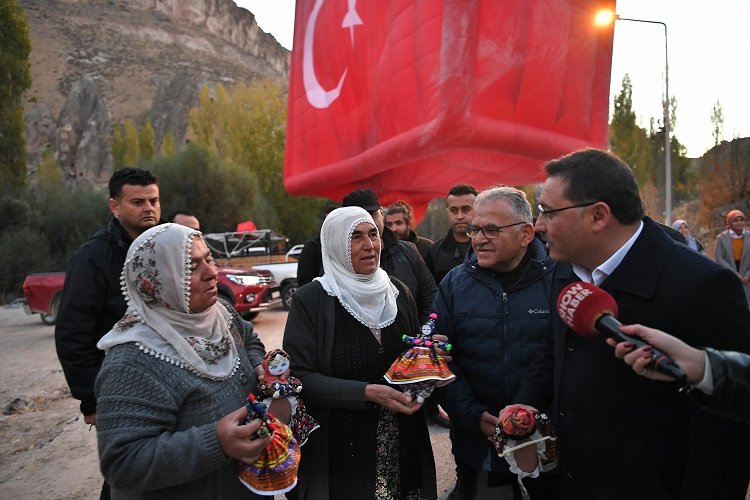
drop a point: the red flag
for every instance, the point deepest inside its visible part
(410, 97)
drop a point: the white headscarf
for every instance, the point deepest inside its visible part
(370, 298)
(156, 284)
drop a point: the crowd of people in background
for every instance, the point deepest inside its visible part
(162, 369)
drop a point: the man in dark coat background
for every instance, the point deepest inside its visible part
(450, 251)
(92, 300)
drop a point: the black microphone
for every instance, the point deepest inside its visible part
(588, 310)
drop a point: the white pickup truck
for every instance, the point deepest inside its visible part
(285, 274)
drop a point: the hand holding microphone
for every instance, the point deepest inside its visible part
(588, 310)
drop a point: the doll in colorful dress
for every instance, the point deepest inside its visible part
(279, 391)
(420, 369)
(275, 471)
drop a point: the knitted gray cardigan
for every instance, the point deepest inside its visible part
(156, 421)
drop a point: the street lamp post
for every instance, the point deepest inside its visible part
(608, 17)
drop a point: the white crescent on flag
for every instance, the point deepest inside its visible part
(317, 96)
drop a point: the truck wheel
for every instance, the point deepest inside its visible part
(286, 294)
(50, 317)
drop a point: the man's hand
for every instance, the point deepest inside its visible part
(445, 354)
(237, 440)
(390, 398)
(90, 419)
(487, 424)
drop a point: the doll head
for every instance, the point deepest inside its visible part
(276, 363)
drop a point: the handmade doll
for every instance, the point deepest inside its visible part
(275, 472)
(279, 391)
(525, 438)
(420, 369)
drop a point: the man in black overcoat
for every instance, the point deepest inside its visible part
(620, 435)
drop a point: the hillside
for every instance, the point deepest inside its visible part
(95, 63)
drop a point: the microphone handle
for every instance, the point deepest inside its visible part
(610, 326)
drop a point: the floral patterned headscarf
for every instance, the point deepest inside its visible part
(156, 284)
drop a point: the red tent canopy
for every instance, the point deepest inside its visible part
(410, 97)
(248, 225)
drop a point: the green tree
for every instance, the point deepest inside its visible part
(146, 140)
(167, 145)
(130, 159)
(37, 232)
(219, 192)
(717, 121)
(629, 141)
(48, 172)
(15, 78)
(202, 120)
(248, 128)
(118, 148)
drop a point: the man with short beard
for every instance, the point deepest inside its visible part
(92, 300)
(447, 253)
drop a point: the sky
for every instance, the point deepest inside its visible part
(708, 61)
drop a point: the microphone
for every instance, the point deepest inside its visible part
(588, 310)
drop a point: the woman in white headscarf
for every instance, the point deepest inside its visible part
(172, 387)
(682, 226)
(343, 332)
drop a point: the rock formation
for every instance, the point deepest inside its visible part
(134, 59)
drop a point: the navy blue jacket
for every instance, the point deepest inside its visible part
(495, 334)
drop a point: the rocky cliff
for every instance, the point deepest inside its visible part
(95, 63)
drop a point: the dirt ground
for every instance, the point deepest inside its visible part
(46, 451)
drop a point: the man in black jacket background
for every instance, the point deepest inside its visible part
(448, 252)
(92, 300)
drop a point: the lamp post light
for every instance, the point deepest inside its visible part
(607, 17)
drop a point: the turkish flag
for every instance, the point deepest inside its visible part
(408, 97)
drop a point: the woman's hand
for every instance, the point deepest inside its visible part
(691, 360)
(237, 440)
(260, 373)
(390, 398)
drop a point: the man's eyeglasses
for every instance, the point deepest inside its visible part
(489, 231)
(549, 211)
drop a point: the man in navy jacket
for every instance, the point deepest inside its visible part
(494, 309)
(620, 435)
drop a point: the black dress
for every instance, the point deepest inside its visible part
(371, 448)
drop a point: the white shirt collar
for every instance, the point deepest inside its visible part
(608, 266)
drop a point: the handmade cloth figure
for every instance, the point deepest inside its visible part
(279, 392)
(275, 472)
(420, 369)
(525, 439)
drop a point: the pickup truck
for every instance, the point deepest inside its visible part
(250, 291)
(286, 276)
